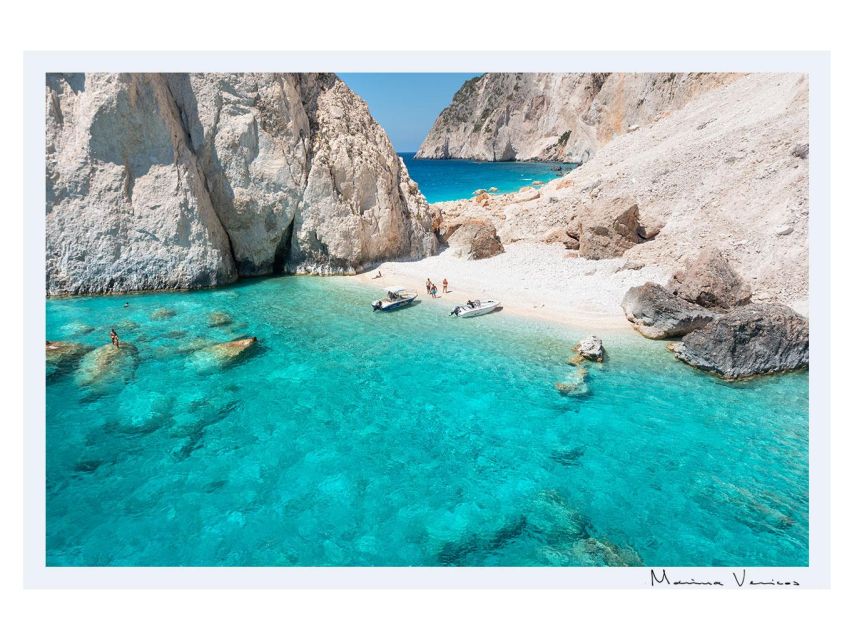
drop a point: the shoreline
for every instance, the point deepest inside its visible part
(532, 280)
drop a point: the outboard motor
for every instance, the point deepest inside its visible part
(377, 305)
(456, 311)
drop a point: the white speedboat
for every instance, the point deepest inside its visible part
(474, 308)
(396, 297)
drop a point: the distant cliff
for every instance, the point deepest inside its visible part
(556, 116)
(162, 181)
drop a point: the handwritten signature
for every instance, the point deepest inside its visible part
(740, 580)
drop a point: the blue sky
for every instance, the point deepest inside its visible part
(406, 104)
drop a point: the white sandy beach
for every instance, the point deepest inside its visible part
(529, 278)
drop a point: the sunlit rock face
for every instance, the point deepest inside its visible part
(164, 181)
(556, 116)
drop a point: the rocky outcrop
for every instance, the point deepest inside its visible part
(108, 364)
(162, 181)
(720, 171)
(556, 116)
(609, 229)
(226, 353)
(472, 238)
(656, 313)
(590, 348)
(710, 282)
(752, 340)
(63, 356)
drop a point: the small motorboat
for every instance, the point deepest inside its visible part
(396, 297)
(474, 308)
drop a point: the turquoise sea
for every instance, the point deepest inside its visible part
(349, 437)
(441, 180)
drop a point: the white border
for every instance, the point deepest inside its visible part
(37, 575)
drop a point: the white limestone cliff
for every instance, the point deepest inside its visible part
(162, 181)
(556, 116)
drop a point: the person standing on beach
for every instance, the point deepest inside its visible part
(114, 338)
(444, 285)
(429, 286)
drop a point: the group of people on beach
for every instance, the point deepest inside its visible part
(432, 289)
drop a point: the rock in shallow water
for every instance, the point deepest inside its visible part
(225, 353)
(753, 340)
(61, 356)
(656, 313)
(108, 364)
(590, 348)
(219, 319)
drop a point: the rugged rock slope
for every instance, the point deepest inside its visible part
(556, 116)
(729, 171)
(158, 181)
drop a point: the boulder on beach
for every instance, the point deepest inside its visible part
(219, 319)
(752, 340)
(710, 282)
(526, 194)
(107, 364)
(590, 348)
(609, 229)
(657, 313)
(474, 239)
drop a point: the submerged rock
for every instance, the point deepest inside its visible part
(77, 329)
(226, 353)
(577, 386)
(567, 457)
(710, 282)
(162, 313)
(219, 319)
(62, 356)
(753, 340)
(107, 364)
(606, 553)
(590, 348)
(657, 313)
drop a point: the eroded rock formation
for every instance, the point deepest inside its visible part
(752, 340)
(472, 238)
(556, 116)
(162, 181)
(657, 313)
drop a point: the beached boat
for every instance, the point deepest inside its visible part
(474, 308)
(396, 297)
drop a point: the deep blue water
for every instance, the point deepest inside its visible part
(441, 180)
(408, 438)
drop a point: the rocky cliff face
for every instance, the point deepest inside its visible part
(160, 181)
(729, 170)
(556, 116)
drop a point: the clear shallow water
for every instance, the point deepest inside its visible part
(408, 438)
(441, 180)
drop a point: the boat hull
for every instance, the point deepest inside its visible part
(392, 305)
(482, 310)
